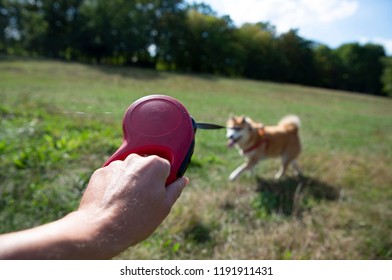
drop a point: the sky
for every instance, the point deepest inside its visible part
(330, 22)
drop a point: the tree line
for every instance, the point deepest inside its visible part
(175, 36)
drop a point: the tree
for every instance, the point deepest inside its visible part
(60, 20)
(260, 60)
(4, 21)
(123, 29)
(208, 45)
(328, 67)
(169, 33)
(100, 33)
(386, 77)
(24, 26)
(362, 67)
(296, 56)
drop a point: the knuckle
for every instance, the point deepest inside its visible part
(159, 159)
(160, 162)
(131, 157)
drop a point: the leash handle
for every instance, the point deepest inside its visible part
(158, 125)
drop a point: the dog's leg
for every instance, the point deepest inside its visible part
(280, 172)
(242, 168)
(283, 167)
(297, 169)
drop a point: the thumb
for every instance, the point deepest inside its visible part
(174, 190)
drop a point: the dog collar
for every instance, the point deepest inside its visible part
(258, 143)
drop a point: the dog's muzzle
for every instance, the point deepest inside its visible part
(232, 141)
(232, 136)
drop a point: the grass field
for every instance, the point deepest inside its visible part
(61, 121)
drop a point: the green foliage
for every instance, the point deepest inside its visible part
(364, 62)
(387, 76)
(328, 67)
(258, 58)
(296, 55)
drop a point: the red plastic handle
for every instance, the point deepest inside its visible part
(158, 125)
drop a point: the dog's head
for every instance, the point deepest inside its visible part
(238, 130)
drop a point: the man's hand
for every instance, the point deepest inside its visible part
(132, 198)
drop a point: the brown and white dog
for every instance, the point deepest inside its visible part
(258, 142)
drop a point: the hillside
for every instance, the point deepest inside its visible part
(61, 121)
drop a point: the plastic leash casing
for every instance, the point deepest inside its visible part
(158, 125)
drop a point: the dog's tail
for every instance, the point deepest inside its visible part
(290, 120)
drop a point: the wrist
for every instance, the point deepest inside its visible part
(96, 235)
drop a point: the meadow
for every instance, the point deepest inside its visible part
(61, 121)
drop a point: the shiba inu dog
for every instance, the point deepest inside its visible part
(258, 142)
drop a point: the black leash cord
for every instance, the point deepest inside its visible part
(209, 126)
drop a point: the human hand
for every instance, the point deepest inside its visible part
(127, 200)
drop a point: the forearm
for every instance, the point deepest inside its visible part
(66, 238)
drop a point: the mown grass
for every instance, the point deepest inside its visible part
(61, 121)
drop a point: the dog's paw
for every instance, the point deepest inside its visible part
(278, 175)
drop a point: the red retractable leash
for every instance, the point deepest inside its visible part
(160, 125)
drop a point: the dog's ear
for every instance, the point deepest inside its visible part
(243, 119)
(231, 116)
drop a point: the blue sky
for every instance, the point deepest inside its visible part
(331, 22)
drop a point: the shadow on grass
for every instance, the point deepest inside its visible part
(198, 233)
(292, 195)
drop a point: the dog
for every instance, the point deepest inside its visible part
(258, 142)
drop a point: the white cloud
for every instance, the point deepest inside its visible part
(285, 14)
(330, 11)
(319, 19)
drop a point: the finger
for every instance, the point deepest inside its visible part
(159, 166)
(131, 157)
(114, 164)
(174, 190)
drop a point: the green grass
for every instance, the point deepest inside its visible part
(61, 121)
